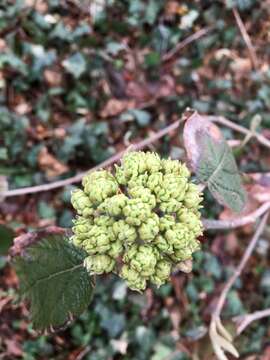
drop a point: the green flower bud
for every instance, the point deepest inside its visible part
(162, 272)
(124, 232)
(191, 220)
(77, 241)
(166, 222)
(155, 182)
(153, 162)
(140, 180)
(186, 252)
(144, 195)
(146, 217)
(94, 176)
(193, 197)
(82, 227)
(100, 185)
(150, 228)
(133, 164)
(175, 167)
(178, 236)
(99, 264)
(81, 202)
(116, 249)
(163, 245)
(98, 240)
(142, 258)
(114, 206)
(170, 206)
(183, 242)
(136, 212)
(103, 221)
(120, 175)
(175, 187)
(134, 280)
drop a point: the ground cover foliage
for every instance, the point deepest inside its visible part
(80, 82)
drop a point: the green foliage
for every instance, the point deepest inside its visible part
(218, 169)
(53, 278)
(6, 239)
(212, 75)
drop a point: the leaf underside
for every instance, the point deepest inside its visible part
(53, 278)
(213, 162)
(217, 168)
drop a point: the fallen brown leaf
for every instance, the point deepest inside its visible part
(13, 347)
(53, 77)
(259, 192)
(50, 164)
(115, 107)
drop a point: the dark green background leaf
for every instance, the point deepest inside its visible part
(213, 161)
(6, 239)
(53, 278)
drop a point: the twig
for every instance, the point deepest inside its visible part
(241, 129)
(77, 178)
(82, 354)
(234, 223)
(221, 339)
(140, 145)
(246, 38)
(240, 267)
(190, 39)
(243, 321)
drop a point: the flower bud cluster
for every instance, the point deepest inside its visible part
(140, 221)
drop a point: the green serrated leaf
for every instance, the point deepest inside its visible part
(213, 161)
(53, 278)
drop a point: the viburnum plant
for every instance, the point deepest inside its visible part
(139, 221)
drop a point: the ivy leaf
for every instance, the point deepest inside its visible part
(6, 239)
(213, 161)
(75, 65)
(53, 278)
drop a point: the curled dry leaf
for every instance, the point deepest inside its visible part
(221, 340)
(213, 162)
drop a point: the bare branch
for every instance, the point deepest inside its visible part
(243, 321)
(240, 267)
(237, 222)
(221, 339)
(138, 146)
(77, 178)
(241, 129)
(190, 39)
(246, 38)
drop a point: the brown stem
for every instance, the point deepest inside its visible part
(240, 267)
(238, 222)
(190, 39)
(77, 178)
(243, 321)
(246, 38)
